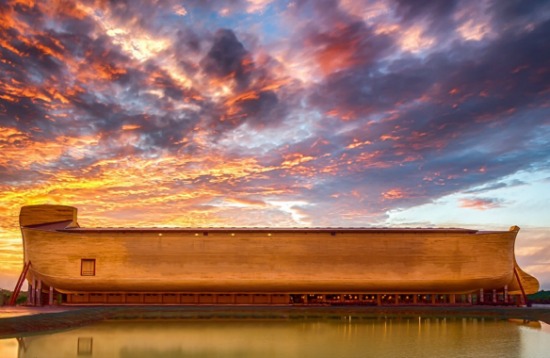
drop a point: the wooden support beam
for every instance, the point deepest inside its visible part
(521, 287)
(481, 298)
(20, 281)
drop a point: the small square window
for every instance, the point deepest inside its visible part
(85, 346)
(87, 267)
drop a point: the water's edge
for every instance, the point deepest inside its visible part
(76, 317)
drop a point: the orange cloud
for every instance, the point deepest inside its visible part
(479, 204)
(337, 56)
(356, 144)
(393, 194)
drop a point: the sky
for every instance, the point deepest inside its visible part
(350, 113)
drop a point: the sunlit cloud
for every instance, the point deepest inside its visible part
(479, 203)
(179, 9)
(415, 40)
(257, 5)
(474, 20)
(293, 208)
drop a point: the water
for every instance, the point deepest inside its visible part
(338, 337)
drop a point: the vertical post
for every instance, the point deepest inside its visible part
(481, 299)
(38, 296)
(33, 300)
(50, 301)
(470, 298)
(378, 300)
(505, 293)
(452, 299)
(415, 298)
(396, 299)
(494, 295)
(433, 296)
(30, 294)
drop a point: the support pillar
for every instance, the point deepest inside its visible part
(38, 297)
(30, 294)
(396, 299)
(494, 295)
(470, 298)
(433, 296)
(505, 293)
(34, 293)
(50, 301)
(378, 300)
(452, 298)
(481, 298)
(415, 299)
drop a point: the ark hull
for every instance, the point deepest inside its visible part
(252, 261)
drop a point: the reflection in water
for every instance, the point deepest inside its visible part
(344, 337)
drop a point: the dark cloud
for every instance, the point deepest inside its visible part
(495, 186)
(261, 106)
(513, 12)
(227, 58)
(188, 40)
(432, 9)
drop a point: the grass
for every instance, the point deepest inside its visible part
(541, 297)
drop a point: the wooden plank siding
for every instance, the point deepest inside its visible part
(262, 261)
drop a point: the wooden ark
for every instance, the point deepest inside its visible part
(378, 266)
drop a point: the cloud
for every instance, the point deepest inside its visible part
(480, 203)
(495, 186)
(227, 59)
